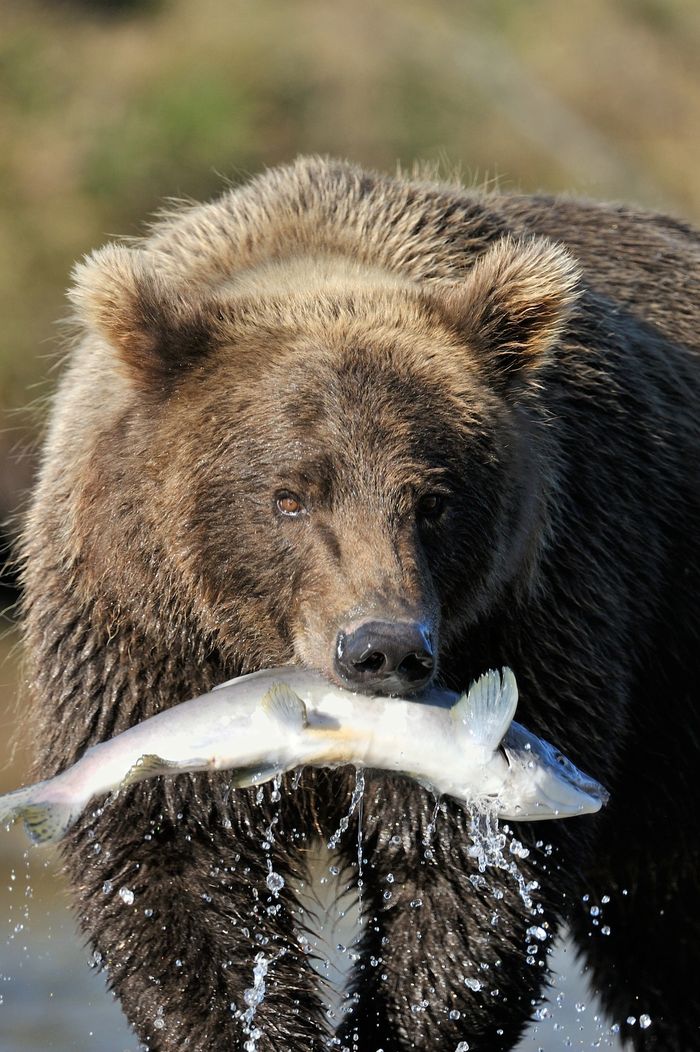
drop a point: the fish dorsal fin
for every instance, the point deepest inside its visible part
(488, 708)
(282, 704)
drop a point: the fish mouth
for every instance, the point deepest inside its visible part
(556, 805)
(574, 792)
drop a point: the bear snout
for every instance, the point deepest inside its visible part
(387, 657)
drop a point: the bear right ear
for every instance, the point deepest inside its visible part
(156, 332)
(512, 306)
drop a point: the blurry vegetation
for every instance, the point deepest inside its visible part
(107, 108)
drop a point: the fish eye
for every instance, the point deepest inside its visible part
(431, 506)
(289, 504)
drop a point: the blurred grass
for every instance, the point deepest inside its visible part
(104, 115)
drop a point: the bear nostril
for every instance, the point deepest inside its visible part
(415, 666)
(372, 663)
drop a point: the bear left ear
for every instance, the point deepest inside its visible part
(512, 305)
(155, 329)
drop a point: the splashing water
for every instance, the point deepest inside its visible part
(275, 794)
(274, 881)
(296, 778)
(355, 800)
(360, 790)
(429, 854)
(254, 997)
(488, 850)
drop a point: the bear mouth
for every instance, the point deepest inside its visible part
(394, 684)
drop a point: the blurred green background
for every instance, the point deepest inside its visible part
(107, 109)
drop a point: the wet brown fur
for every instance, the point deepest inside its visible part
(362, 341)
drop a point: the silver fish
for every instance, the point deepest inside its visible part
(261, 725)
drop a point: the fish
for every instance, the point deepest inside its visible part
(261, 725)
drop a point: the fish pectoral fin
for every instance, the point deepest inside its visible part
(255, 774)
(282, 704)
(151, 765)
(487, 710)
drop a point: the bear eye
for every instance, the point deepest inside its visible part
(289, 504)
(430, 506)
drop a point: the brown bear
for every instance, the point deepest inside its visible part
(395, 430)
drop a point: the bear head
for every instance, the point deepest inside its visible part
(320, 460)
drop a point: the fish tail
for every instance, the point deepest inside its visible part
(44, 820)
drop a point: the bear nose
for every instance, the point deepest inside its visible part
(386, 656)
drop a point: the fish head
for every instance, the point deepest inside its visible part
(544, 783)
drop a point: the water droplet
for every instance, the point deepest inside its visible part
(517, 849)
(253, 997)
(462, 1047)
(537, 932)
(595, 911)
(126, 895)
(580, 1007)
(631, 1020)
(605, 930)
(645, 1021)
(275, 882)
(159, 1023)
(455, 1013)
(473, 984)
(107, 887)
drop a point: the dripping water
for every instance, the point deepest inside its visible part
(429, 836)
(355, 799)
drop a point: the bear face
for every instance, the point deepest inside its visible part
(352, 447)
